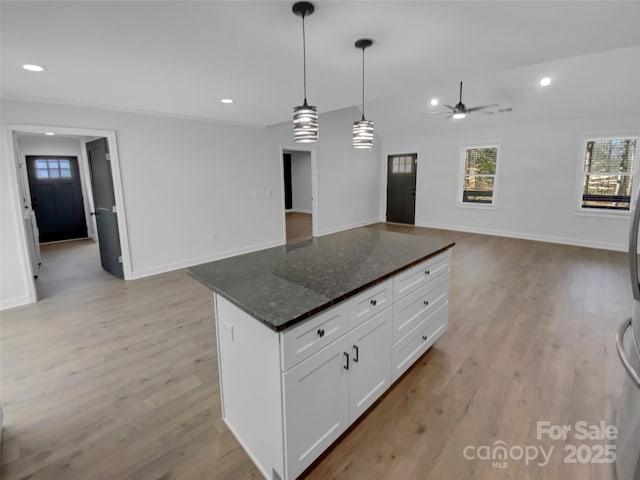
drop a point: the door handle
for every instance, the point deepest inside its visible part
(626, 363)
(633, 250)
(346, 367)
(355, 359)
(94, 213)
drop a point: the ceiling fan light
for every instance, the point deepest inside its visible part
(363, 134)
(459, 115)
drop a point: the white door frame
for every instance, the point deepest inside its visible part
(314, 186)
(110, 135)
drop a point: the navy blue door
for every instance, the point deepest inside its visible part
(56, 197)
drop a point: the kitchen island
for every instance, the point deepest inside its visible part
(310, 335)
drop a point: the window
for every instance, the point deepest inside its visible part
(402, 164)
(53, 168)
(608, 168)
(479, 175)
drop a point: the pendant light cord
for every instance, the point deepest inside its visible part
(304, 60)
(363, 83)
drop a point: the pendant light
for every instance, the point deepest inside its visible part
(305, 117)
(363, 129)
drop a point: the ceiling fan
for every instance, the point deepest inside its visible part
(461, 111)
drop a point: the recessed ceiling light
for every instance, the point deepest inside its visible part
(434, 101)
(51, 134)
(33, 68)
(545, 81)
(227, 100)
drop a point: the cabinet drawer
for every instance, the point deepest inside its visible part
(408, 281)
(415, 307)
(302, 341)
(371, 302)
(407, 350)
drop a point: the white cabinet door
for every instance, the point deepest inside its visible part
(370, 369)
(316, 410)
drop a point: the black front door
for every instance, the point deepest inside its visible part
(288, 190)
(401, 188)
(56, 197)
(104, 203)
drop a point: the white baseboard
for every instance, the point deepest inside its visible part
(576, 242)
(14, 302)
(299, 210)
(329, 231)
(169, 267)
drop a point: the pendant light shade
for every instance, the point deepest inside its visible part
(305, 123)
(363, 129)
(305, 116)
(363, 134)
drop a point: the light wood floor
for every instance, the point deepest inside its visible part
(106, 379)
(298, 227)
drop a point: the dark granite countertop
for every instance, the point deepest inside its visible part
(282, 286)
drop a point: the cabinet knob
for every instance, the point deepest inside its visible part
(374, 302)
(427, 272)
(424, 337)
(426, 303)
(321, 332)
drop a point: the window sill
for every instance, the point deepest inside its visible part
(480, 206)
(622, 215)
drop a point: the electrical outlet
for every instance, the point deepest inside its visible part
(212, 237)
(227, 328)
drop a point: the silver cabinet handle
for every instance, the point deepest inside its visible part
(623, 355)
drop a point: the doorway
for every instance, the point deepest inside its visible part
(56, 182)
(401, 188)
(298, 195)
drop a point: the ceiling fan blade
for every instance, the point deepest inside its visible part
(448, 106)
(433, 113)
(475, 109)
(449, 116)
(483, 111)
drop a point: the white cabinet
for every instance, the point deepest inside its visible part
(370, 368)
(331, 389)
(288, 395)
(316, 409)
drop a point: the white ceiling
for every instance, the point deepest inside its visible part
(182, 57)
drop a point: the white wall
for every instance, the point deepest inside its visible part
(184, 182)
(64, 146)
(301, 182)
(527, 152)
(348, 179)
(14, 271)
